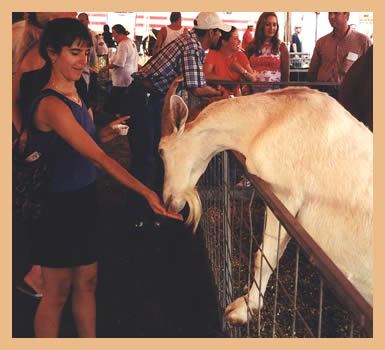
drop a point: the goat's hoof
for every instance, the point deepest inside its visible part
(236, 312)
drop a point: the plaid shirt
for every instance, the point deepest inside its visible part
(183, 56)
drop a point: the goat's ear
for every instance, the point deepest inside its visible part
(179, 113)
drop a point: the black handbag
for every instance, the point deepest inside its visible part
(30, 171)
(30, 179)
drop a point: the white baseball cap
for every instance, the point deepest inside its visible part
(210, 20)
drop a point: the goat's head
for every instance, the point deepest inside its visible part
(179, 150)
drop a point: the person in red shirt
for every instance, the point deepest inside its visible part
(248, 35)
(228, 62)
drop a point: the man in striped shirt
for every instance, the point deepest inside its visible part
(183, 56)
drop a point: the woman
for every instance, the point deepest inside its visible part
(269, 57)
(123, 64)
(227, 62)
(64, 242)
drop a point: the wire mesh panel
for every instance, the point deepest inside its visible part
(297, 302)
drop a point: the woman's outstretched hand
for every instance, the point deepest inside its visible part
(158, 207)
(108, 133)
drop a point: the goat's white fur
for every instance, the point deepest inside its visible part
(317, 158)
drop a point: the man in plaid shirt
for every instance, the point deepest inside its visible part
(184, 56)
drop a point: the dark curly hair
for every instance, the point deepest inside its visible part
(118, 28)
(62, 32)
(259, 38)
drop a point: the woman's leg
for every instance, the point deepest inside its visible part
(83, 300)
(57, 286)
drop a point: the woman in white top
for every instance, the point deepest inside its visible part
(170, 32)
(123, 64)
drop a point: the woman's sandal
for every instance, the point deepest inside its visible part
(28, 290)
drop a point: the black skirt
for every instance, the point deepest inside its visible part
(66, 234)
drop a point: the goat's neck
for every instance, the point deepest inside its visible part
(220, 135)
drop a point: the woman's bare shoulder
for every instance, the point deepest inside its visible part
(52, 106)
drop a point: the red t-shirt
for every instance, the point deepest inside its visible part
(222, 65)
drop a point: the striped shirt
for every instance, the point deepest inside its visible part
(183, 56)
(332, 57)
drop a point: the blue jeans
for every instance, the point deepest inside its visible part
(145, 110)
(144, 137)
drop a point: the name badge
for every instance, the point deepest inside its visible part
(352, 56)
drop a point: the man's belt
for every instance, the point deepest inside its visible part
(148, 86)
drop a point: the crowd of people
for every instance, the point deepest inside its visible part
(54, 82)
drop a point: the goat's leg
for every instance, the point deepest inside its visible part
(236, 312)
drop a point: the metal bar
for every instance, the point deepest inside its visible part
(250, 255)
(321, 299)
(268, 83)
(276, 279)
(260, 274)
(295, 289)
(351, 334)
(227, 227)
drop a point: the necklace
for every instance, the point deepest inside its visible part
(72, 96)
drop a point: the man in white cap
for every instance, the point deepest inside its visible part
(184, 56)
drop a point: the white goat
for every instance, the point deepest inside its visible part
(317, 158)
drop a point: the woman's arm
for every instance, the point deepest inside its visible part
(285, 62)
(53, 114)
(16, 113)
(246, 70)
(242, 66)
